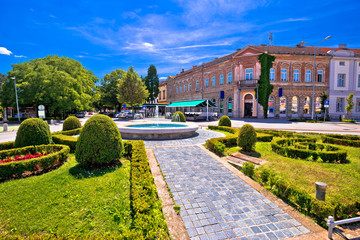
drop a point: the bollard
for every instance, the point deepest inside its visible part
(51, 121)
(5, 125)
(320, 190)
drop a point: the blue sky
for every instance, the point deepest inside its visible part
(173, 34)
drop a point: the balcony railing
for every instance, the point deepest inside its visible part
(248, 83)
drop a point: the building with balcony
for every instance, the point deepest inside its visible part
(231, 82)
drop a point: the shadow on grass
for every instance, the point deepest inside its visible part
(81, 171)
(251, 154)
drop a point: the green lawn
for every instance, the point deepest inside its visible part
(68, 201)
(343, 180)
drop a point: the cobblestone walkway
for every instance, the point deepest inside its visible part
(216, 204)
(200, 138)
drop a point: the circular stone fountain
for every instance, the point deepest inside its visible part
(157, 131)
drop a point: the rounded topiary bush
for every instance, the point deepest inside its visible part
(247, 138)
(178, 117)
(71, 123)
(224, 121)
(33, 131)
(99, 142)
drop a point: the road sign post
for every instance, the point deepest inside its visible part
(326, 106)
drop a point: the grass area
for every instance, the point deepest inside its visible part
(342, 179)
(10, 128)
(68, 201)
(227, 134)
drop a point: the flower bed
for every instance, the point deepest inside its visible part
(307, 148)
(15, 169)
(24, 157)
(345, 140)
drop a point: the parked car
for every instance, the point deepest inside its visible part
(129, 115)
(90, 113)
(80, 115)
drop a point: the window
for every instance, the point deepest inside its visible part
(308, 76)
(221, 79)
(283, 105)
(230, 101)
(307, 105)
(207, 83)
(357, 107)
(320, 74)
(249, 74)
(163, 94)
(283, 75)
(190, 87)
(272, 74)
(359, 81)
(340, 104)
(342, 63)
(180, 89)
(341, 80)
(185, 89)
(296, 75)
(295, 105)
(230, 78)
(213, 82)
(221, 106)
(197, 85)
(177, 90)
(159, 96)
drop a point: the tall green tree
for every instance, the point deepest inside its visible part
(350, 105)
(264, 86)
(60, 83)
(132, 90)
(109, 89)
(2, 81)
(152, 83)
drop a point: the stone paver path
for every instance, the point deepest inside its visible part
(216, 204)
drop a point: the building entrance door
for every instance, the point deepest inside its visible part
(248, 109)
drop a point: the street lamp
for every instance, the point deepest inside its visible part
(17, 102)
(313, 91)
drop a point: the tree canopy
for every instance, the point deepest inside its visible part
(59, 83)
(264, 86)
(108, 89)
(132, 90)
(152, 83)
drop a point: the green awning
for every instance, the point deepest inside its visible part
(195, 103)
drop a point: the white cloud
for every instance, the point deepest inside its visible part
(20, 56)
(4, 51)
(162, 78)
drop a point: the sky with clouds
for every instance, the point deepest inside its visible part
(171, 34)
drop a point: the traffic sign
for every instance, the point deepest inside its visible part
(326, 103)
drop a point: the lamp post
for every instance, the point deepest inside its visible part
(17, 102)
(314, 75)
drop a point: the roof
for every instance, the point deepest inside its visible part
(326, 49)
(162, 83)
(195, 103)
(290, 50)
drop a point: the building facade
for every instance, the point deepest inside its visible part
(231, 82)
(162, 98)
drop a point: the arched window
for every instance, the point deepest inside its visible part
(295, 105)
(177, 89)
(185, 90)
(271, 105)
(213, 82)
(283, 105)
(221, 79)
(197, 85)
(230, 77)
(207, 83)
(221, 106)
(307, 105)
(180, 89)
(190, 87)
(318, 105)
(230, 106)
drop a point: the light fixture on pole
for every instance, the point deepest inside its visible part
(313, 91)
(17, 102)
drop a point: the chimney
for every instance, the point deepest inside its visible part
(182, 70)
(343, 46)
(238, 49)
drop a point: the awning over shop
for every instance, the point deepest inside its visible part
(195, 103)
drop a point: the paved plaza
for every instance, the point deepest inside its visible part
(216, 204)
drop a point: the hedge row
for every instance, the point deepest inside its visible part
(16, 169)
(304, 148)
(345, 140)
(73, 132)
(7, 145)
(148, 219)
(65, 140)
(218, 145)
(303, 201)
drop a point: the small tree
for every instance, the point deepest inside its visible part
(264, 86)
(131, 89)
(323, 97)
(350, 105)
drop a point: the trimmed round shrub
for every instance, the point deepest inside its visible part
(247, 138)
(71, 123)
(224, 121)
(99, 142)
(248, 169)
(33, 131)
(178, 117)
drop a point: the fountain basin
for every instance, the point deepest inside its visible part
(149, 130)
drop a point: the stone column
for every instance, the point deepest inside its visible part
(288, 107)
(236, 107)
(301, 107)
(277, 108)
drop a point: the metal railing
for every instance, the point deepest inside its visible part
(332, 224)
(251, 82)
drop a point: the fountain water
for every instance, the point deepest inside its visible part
(157, 115)
(176, 117)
